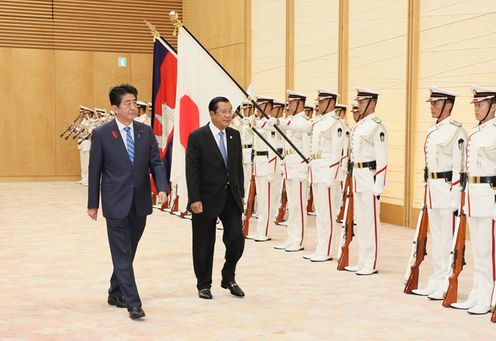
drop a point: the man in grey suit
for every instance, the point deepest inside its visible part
(123, 153)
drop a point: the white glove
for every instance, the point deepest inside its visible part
(455, 200)
(245, 120)
(377, 190)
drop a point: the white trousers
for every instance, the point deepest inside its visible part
(366, 214)
(482, 237)
(276, 194)
(85, 159)
(296, 191)
(246, 181)
(441, 225)
(326, 210)
(265, 201)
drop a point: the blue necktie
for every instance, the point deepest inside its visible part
(222, 147)
(129, 144)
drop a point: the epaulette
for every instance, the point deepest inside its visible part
(456, 123)
(377, 120)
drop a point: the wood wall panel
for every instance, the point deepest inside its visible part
(33, 82)
(73, 87)
(9, 114)
(221, 27)
(141, 65)
(88, 25)
(107, 74)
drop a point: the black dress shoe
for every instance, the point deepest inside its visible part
(136, 313)
(233, 288)
(205, 294)
(118, 301)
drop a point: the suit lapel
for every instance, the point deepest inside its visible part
(210, 140)
(138, 141)
(230, 146)
(118, 142)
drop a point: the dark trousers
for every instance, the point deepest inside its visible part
(124, 235)
(204, 242)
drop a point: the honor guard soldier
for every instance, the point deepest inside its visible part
(442, 150)
(340, 110)
(369, 156)
(328, 135)
(84, 143)
(142, 113)
(480, 203)
(276, 164)
(298, 129)
(244, 125)
(247, 141)
(263, 170)
(308, 111)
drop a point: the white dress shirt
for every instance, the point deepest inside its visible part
(215, 132)
(121, 127)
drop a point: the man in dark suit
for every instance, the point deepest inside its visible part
(214, 174)
(123, 153)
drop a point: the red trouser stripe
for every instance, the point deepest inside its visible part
(268, 210)
(330, 217)
(302, 214)
(375, 230)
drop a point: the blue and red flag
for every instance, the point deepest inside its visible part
(164, 99)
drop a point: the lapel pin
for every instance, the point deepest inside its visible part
(230, 136)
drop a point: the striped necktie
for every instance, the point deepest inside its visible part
(129, 144)
(222, 147)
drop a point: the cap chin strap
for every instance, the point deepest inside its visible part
(361, 115)
(327, 106)
(488, 111)
(441, 112)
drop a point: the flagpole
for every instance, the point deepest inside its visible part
(174, 17)
(157, 36)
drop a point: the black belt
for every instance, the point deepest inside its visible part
(482, 180)
(441, 175)
(261, 153)
(368, 164)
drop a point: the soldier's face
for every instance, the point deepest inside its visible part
(356, 114)
(436, 108)
(322, 106)
(127, 110)
(247, 111)
(481, 108)
(292, 107)
(222, 117)
(275, 112)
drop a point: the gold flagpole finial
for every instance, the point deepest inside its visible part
(152, 28)
(174, 18)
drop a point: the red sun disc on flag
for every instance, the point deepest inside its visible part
(189, 118)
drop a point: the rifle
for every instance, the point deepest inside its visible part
(282, 208)
(419, 247)
(175, 205)
(347, 227)
(249, 206)
(346, 214)
(70, 126)
(493, 316)
(458, 247)
(310, 208)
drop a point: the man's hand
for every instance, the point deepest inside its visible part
(93, 213)
(197, 207)
(162, 197)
